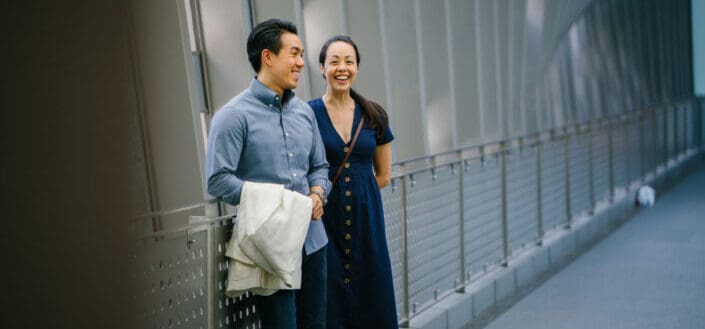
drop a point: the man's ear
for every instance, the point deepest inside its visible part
(266, 57)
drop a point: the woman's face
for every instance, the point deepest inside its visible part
(340, 66)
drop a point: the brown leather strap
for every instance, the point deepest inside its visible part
(347, 155)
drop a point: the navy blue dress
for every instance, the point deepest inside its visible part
(360, 288)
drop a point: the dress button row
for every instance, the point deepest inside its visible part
(348, 222)
(348, 208)
(347, 266)
(346, 280)
(347, 193)
(347, 236)
(347, 165)
(347, 179)
(347, 251)
(346, 149)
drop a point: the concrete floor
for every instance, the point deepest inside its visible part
(649, 273)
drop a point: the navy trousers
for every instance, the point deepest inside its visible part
(298, 309)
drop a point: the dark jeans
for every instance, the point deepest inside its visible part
(298, 309)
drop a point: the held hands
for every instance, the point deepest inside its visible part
(317, 206)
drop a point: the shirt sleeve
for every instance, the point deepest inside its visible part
(318, 172)
(225, 143)
(386, 137)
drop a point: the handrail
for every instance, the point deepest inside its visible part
(495, 147)
(176, 210)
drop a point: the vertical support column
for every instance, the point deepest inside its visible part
(461, 215)
(404, 247)
(539, 201)
(505, 237)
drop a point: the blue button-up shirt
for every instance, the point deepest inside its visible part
(260, 138)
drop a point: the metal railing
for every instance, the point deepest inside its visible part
(450, 217)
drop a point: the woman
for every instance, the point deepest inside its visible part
(360, 288)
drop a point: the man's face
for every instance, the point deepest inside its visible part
(286, 66)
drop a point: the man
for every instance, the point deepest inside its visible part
(268, 135)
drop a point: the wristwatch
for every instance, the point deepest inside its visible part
(321, 195)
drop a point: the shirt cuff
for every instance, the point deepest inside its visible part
(323, 183)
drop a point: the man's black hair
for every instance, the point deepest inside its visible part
(267, 35)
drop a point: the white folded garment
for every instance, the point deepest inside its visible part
(267, 241)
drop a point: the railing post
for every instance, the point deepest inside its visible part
(590, 168)
(211, 273)
(539, 201)
(404, 246)
(610, 126)
(566, 168)
(675, 132)
(665, 137)
(505, 238)
(654, 141)
(641, 148)
(624, 125)
(461, 214)
(700, 106)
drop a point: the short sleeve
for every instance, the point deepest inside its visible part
(386, 137)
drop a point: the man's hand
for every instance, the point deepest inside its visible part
(317, 206)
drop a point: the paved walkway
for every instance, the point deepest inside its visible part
(649, 273)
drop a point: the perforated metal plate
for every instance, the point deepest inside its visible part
(173, 281)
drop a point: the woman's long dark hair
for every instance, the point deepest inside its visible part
(374, 113)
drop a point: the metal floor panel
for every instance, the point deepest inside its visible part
(650, 273)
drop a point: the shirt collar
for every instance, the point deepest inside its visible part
(267, 96)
